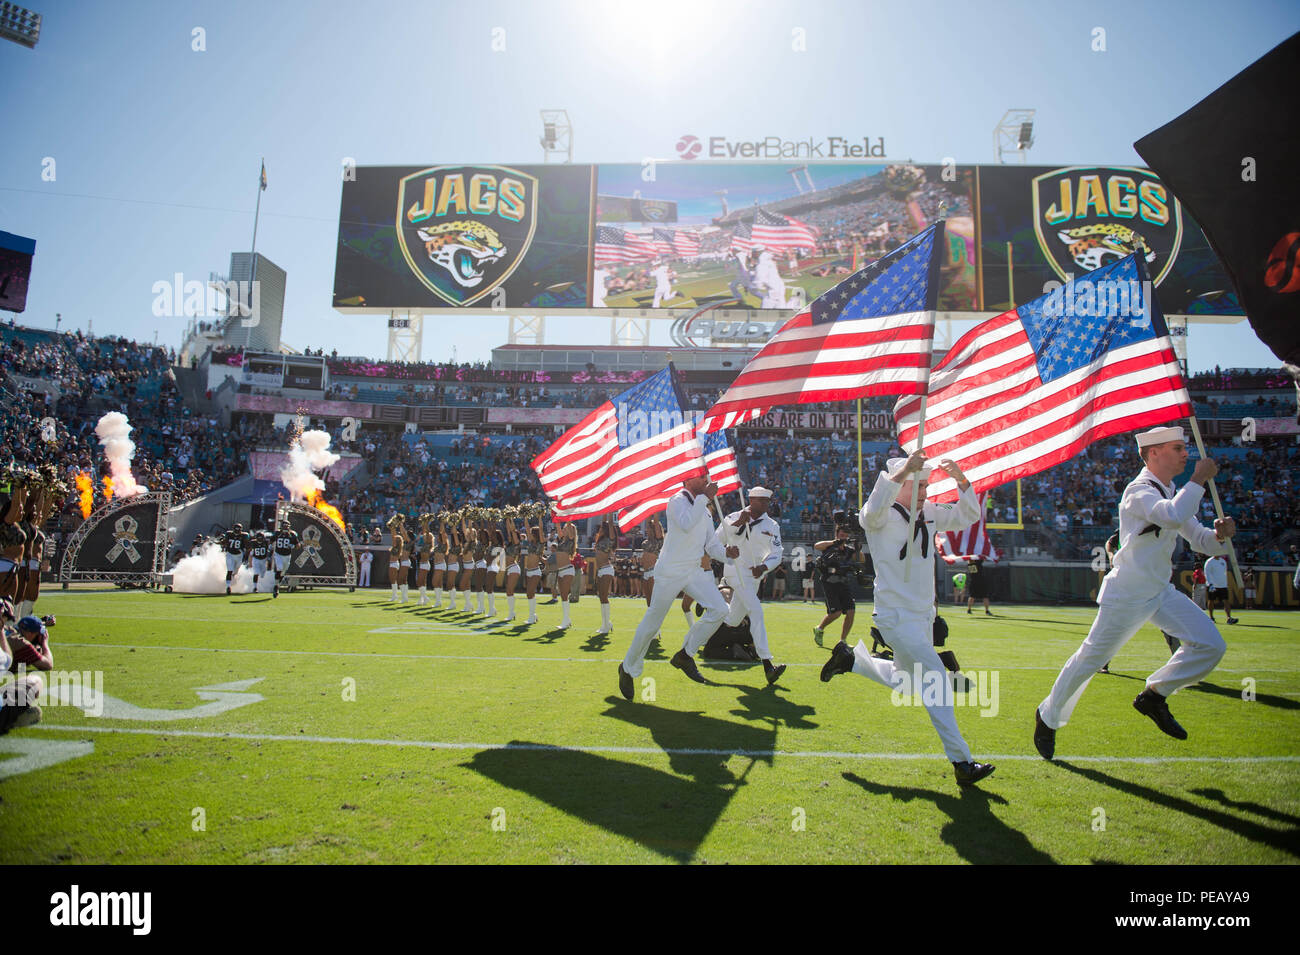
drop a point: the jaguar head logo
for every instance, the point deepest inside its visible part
(1092, 246)
(464, 249)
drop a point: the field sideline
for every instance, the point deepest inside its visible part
(338, 727)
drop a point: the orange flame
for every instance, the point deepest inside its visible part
(86, 487)
(108, 487)
(317, 500)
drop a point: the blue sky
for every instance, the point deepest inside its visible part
(156, 146)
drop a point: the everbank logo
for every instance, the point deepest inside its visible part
(774, 147)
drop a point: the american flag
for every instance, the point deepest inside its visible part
(1030, 389)
(722, 468)
(869, 335)
(720, 458)
(636, 446)
(662, 240)
(742, 239)
(780, 233)
(686, 244)
(615, 245)
(972, 542)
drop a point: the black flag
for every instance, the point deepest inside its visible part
(1232, 161)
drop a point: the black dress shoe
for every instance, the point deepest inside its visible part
(968, 774)
(841, 661)
(625, 685)
(687, 666)
(1044, 737)
(773, 672)
(1152, 704)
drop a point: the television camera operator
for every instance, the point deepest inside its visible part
(840, 560)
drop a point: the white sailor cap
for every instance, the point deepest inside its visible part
(1160, 436)
(894, 465)
(759, 492)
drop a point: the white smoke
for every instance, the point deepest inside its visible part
(114, 432)
(308, 454)
(205, 573)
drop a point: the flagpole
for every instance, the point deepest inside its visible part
(1218, 505)
(252, 265)
(859, 455)
(916, 491)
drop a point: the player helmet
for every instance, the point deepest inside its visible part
(237, 527)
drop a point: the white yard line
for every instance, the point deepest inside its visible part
(646, 750)
(594, 658)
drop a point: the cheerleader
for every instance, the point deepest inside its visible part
(467, 560)
(606, 537)
(634, 574)
(495, 543)
(399, 556)
(452, 537)
(514, 550)
(649, 556)
(478, 578)
(424, 565)
(38, 509)
(439, 561)
(13, 538)
(565, 548)
(534, 555)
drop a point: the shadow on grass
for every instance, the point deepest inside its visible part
(1286, 840)
(1281, 702)
(975, 833)
(766, 704)
(548, 637)
(1219, 796)
(596, 643)
(670, 813)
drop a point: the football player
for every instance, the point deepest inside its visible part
(259, 550)
(234, 543)
(286, 542)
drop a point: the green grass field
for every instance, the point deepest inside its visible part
(469, 743)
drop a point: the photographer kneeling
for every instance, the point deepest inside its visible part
(835, 565)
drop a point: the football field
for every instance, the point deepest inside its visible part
(338, 727)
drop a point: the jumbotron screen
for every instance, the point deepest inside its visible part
(675, 237)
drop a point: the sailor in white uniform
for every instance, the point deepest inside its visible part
(757, 536)
(904, 601)
(663, 284)
(1137, 590)
(690, 536)
(768, 277)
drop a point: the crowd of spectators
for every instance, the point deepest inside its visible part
(74, 379)
(83, 378)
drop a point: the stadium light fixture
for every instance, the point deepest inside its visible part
(1014, 134)
(20, 24)
(557, 135)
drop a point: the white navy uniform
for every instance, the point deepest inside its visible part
(904, 602)
(768, 277)
(759, 542)
(1137, 590)
(690, 536)
(598, 288)
(663, 286)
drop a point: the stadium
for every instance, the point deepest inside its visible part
(289, 602)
